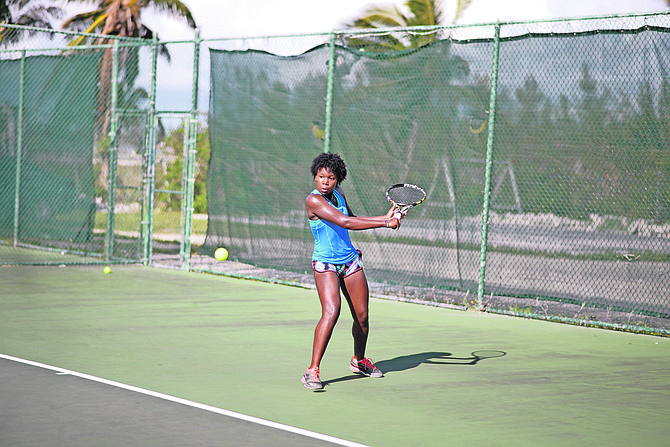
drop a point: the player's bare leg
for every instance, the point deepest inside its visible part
(328, 288)
(355, 290)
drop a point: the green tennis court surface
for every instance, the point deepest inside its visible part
(242, 346)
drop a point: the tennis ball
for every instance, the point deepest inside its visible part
(221, 254)
(107, 270)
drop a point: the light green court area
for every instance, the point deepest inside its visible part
(243, 346)
(20, 256)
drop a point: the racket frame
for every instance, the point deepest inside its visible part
(404, 206)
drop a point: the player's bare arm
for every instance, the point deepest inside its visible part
(318, 208)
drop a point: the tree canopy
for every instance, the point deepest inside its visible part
(123, 17)
(31, 13)
(412, 13)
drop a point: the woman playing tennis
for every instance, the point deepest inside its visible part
(337, 264)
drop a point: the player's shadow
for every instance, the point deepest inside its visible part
(405, 362)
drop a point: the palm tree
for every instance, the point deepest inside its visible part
(416, 13)
(26, 13)
(121, 18)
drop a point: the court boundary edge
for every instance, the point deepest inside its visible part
(179, 400)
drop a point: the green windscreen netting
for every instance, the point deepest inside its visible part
(266, 121)
(395, 118)
(579, 210)
(584, 121)
(52, 161)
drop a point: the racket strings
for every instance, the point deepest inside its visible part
(405, 196)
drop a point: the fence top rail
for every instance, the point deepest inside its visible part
(136, 41)
(71, 48)
(432, 28)
(71, 33)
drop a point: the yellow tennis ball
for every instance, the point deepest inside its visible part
(107, 270)
(221, 254)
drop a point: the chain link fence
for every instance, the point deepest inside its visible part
(93, 171)
(543, 147)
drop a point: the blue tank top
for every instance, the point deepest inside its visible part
(331, 242)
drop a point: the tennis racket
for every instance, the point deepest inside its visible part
(405, 196)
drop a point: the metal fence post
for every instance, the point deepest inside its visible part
(148, 222)
(329, 94)
(113, 152)
(489, 167)
(19, 147)
(187, 203)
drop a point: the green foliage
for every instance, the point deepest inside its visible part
(519, 309)
(164, 222)
(123, 18)
(169, 176)
(413, 13)
(101, 169)
(33, 13)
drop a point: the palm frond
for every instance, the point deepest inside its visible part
(174, 8)
(5, 13)
(39, 16)
(82, 21)
(425, 12)
(378, 17)
(376, 44)
(26, 13)
(463, 5)
(91, 29)
(163, 50)
(21, 3)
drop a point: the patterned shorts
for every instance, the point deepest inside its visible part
(342, 270)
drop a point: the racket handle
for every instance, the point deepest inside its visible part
(397, 215)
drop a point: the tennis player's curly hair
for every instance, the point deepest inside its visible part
(331, 162)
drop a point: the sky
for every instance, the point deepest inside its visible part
(234, 18)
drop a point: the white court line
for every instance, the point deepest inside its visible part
(232, 414)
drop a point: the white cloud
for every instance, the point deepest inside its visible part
(232, 18)
(580, 8)
(228, 18)
(486, 11)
